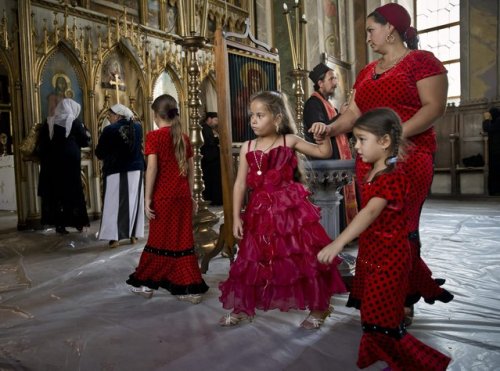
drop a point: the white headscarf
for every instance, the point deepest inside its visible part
(65, 113)
(122, 110)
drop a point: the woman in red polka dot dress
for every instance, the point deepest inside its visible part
(169, 259)
(414, 84)
(382, 270)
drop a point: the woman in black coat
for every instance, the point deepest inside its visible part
(60, 185)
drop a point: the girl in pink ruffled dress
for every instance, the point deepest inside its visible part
(280, 230)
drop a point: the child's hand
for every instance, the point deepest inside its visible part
(319, 138)
(238, 229)
(328, 253)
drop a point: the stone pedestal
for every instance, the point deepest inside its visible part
(326, 179)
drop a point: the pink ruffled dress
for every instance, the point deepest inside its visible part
(276, 266)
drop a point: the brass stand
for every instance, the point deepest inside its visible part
(204, 220)
(298, 75)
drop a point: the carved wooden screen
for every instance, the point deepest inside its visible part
(235, 64)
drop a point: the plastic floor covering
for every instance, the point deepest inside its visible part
(64, 305)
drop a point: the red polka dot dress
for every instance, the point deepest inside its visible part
(381, 282)
(169, 259)
(396, 88)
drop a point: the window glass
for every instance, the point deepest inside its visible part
(444, 43)
(444, 37)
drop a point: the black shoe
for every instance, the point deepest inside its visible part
(439, 281)
(444, 297)
(61, 230)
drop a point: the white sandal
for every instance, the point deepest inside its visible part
(192, 298)
(143, 291)
(231, 319)
(313, 323)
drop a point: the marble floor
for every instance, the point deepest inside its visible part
(64, 305)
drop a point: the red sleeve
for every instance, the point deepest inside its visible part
(391, 187)
(151, 146)
(425, 64)
(189, 149)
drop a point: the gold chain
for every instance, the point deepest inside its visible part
(379, 64)
(259, 163)
(376, 75)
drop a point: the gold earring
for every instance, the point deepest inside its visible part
(277, 129)
(390, 38)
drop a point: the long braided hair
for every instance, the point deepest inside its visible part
(165, 106)
(381, 122)
(277, 103)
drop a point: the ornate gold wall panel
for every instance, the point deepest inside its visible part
(85, 34)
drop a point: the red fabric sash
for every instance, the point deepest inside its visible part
(351, 205)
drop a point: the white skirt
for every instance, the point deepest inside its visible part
(123, 210)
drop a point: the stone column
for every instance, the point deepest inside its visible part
(327, 177)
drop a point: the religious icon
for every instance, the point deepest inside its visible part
(254, 76)
(112, 76)
(61, 85)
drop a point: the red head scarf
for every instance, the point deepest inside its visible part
(396, 15)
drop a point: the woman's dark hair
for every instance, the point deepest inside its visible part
(411, 39)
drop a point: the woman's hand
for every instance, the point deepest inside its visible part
(238, 228)
(328, 253)
(150, 214)
(320, 129)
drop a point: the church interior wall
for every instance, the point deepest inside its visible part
(146, 46)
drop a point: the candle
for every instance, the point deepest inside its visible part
(297, 33)
(181, 15)
(292, 44)
(192, 17)
(303, 22)
(204, 16)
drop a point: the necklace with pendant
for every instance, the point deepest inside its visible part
(375, 75)
(258, 162)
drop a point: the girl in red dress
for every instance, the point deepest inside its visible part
(169, 258)
(280, 230)
(383, 263)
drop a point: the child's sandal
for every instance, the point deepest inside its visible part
(312, 323)
(231, 319)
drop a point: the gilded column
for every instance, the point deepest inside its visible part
(26, 187)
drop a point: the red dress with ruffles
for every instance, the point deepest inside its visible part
(276, 266)
(381, 282)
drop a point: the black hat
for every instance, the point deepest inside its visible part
(318, 71)
(211, 115)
